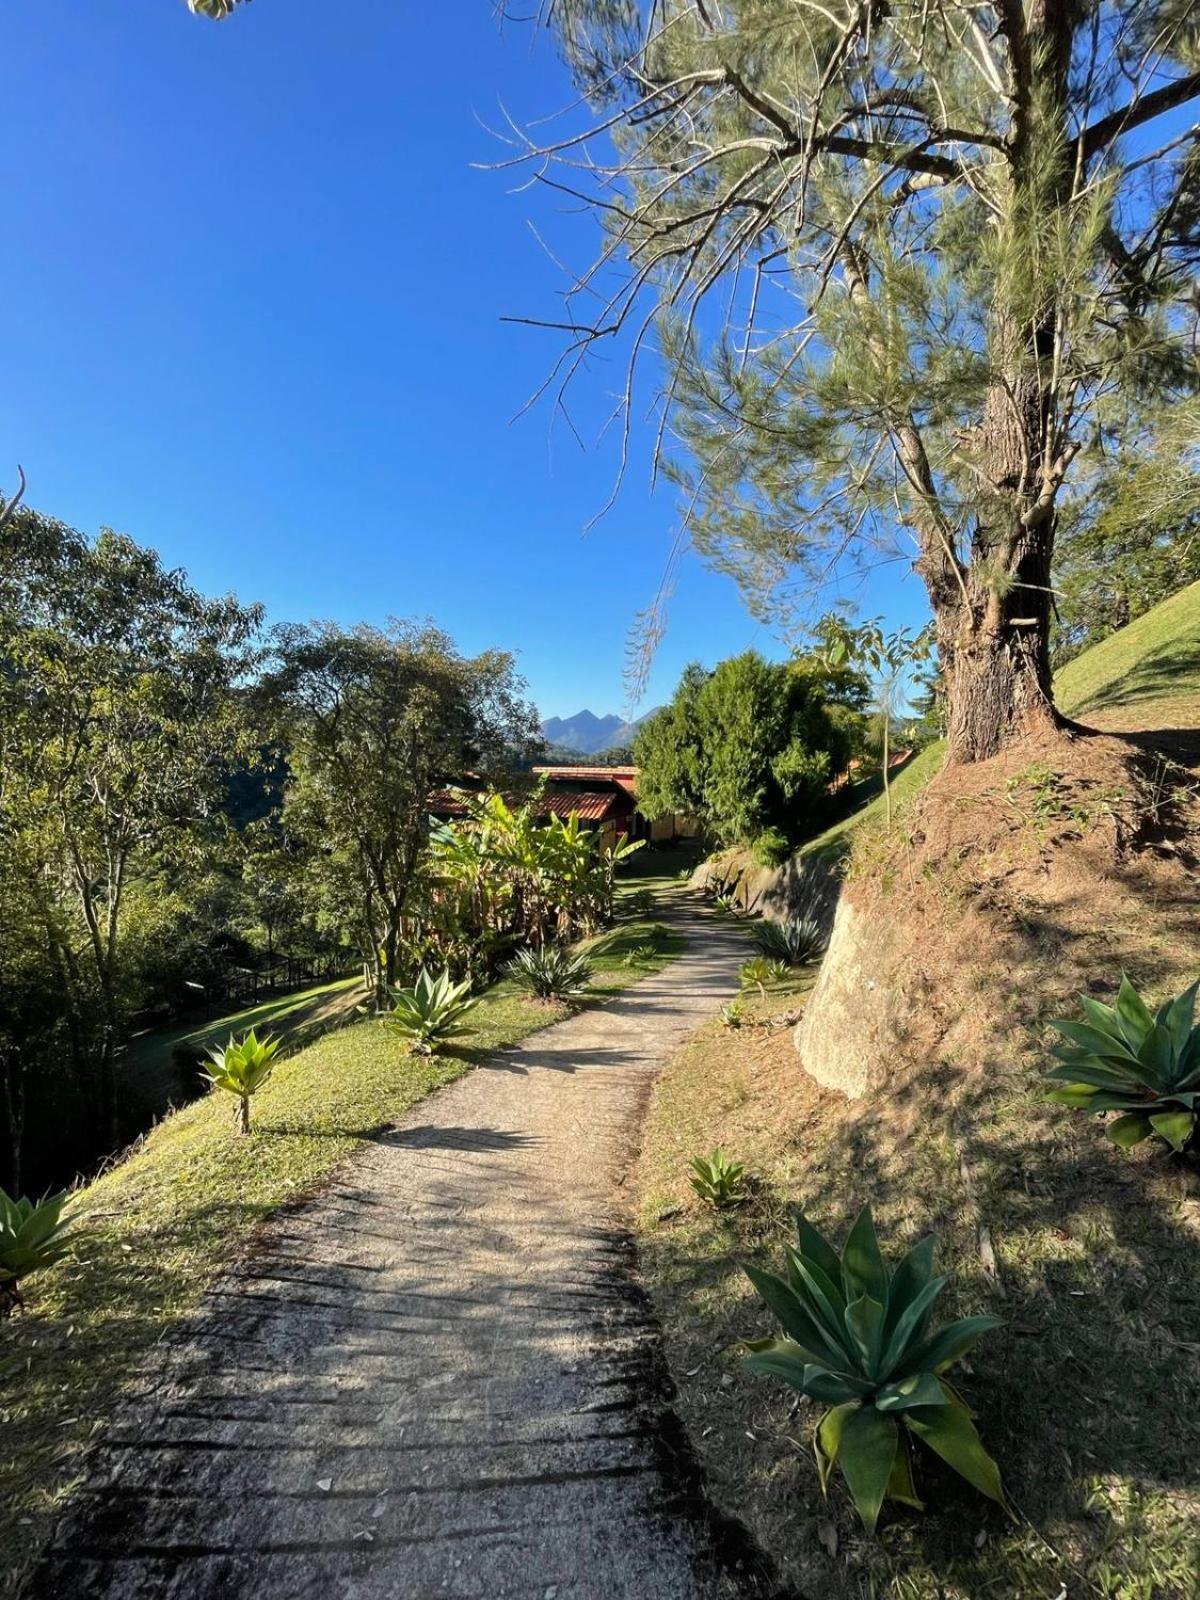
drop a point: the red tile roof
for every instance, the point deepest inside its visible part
(623, 778)
(588, 807)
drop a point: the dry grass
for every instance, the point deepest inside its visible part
(1010, 888)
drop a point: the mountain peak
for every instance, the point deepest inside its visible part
(588, 733)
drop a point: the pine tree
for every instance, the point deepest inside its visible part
(902, 260)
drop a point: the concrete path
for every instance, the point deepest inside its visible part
(438, 1377)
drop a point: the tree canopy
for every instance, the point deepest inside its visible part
(118, 708)
(747, 748)
(902, 263)
(375, 721)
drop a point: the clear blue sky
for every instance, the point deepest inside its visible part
(252, 291)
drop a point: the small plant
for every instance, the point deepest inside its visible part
(758, 972)
(432, 1010)
(719, 1182)
(640, 903)
(241, 1067)
(732, 1014)
(553, 972)
(795, 941)
(1123, 1058)
(33, 1235)
(640, 955)
(725, 905)
(858, 1339)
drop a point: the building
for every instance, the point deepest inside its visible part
(606, 798)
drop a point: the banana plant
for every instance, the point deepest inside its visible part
(1143, 1065)
(432, 1010)
(33, 1236)
(858, 1338)
(242, 1067)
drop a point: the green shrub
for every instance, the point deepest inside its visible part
(795, 941)
(241, 1067)
(857, 1338)
(719, 1182)
(1123, 1058)
(432, 1010)
(771, 848)
(725, 905)
(33, 1235)
(758, 972)
(640, 903)
(553, 972)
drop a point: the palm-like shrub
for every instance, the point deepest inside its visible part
(33, 1235)
(795, 941)
(553, 972)
(719, 1182)
(432, 1010)
(1143, 1065)
(241, 1067)
(858, 1338)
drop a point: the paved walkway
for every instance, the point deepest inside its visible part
(436, 1378)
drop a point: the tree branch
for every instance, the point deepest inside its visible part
(1141, 110)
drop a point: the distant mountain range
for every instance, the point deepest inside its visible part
(588, 733)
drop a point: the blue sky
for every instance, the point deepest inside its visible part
(252, 297)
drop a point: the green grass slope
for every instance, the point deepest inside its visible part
(160, 1225)
(1145, 672)
(1145, 677)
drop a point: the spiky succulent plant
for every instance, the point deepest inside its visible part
(34, 1234)
(242, 1067)
(551, 972)
(858, 1338)
(432, 1010)
(1143, 1065)
(795, 941)
(720, 1182)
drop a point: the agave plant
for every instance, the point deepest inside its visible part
(795, 941)
(719, 1182)
(640, 955)
(732, 1014)
(432, 1010)
(858, 1338)
(759, 972)
(553, 972)
(33, 1235)
(1144, 1065)
(241, 1067)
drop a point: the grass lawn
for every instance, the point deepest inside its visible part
(164, 1222)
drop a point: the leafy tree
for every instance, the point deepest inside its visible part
(1131, 536)
(375, 721)
(892, 659)
(118, 706)
(747, 747)
(902, 261)
(669, 752)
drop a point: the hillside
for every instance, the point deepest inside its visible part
(1147, 676)
(1003, 891)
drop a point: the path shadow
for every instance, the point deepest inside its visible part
(429, 1136)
